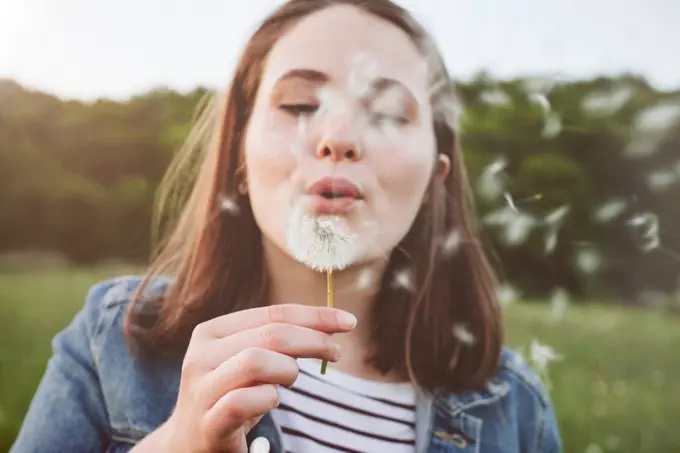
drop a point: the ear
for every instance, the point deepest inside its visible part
(443, 165)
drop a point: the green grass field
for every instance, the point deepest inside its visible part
(616, 389)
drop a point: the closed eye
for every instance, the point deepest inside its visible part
(299, 109)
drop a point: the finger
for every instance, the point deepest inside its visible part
(235, 408)
(288, 339)
(325, 319)
(251, 367)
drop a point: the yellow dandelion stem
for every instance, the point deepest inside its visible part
(329, 304)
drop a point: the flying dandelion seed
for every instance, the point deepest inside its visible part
(610, 211)
(651, 126)
(661, 180)
(558, 304)
(588, 261)
(506, 294)
(551, 240)
(552, 126)
(646, 227)
(593, 448)
(451, 243)
(260, 445)
(557, 216)
(495, 97)
(230, 205)
(608, 102)
(404, 279)
(554, 222)
(511, 202)
(365, 279)
(541, 355)
(463, 335)
(491, 184)
(517, 231)
(541, 100)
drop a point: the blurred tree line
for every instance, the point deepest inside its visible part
(576, 183)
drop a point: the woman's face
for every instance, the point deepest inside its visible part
(342, 127)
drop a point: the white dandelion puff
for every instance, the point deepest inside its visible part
(230, 205)
(463, 335)
(321, 243)
(541, 355)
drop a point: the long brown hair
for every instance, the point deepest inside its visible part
(216, 260)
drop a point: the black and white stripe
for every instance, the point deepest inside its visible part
(341, 413)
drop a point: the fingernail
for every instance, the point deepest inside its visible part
(346, 320)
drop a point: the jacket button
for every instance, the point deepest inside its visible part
(259, 445)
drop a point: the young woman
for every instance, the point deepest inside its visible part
(338, 110)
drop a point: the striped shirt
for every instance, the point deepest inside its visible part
(337, 412)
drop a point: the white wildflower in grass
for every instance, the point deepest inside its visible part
(451, 243)
(463, 335)
(260, 445)
(491, 183)
(610, 210)
(661, 180)
(404, 279)
(506, 294)
(321, 243)
(646, 227)
(496, 97)
(607, 102)
(588, 261)
(229, 205)
(559, 301)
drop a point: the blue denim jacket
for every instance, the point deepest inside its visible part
(94, 397)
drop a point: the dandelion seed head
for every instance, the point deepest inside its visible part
(321, 243)
(260, 445)
(462, 334)
(230, 205)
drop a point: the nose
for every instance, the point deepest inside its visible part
(339, 144)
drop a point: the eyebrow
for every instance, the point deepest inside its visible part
(311, 75)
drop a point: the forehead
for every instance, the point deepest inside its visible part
(345, 42)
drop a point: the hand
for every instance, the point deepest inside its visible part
(233, 365)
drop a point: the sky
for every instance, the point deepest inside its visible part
(86, 49)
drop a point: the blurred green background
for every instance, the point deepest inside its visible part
(576, 187)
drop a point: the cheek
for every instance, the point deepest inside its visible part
(403, 167)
